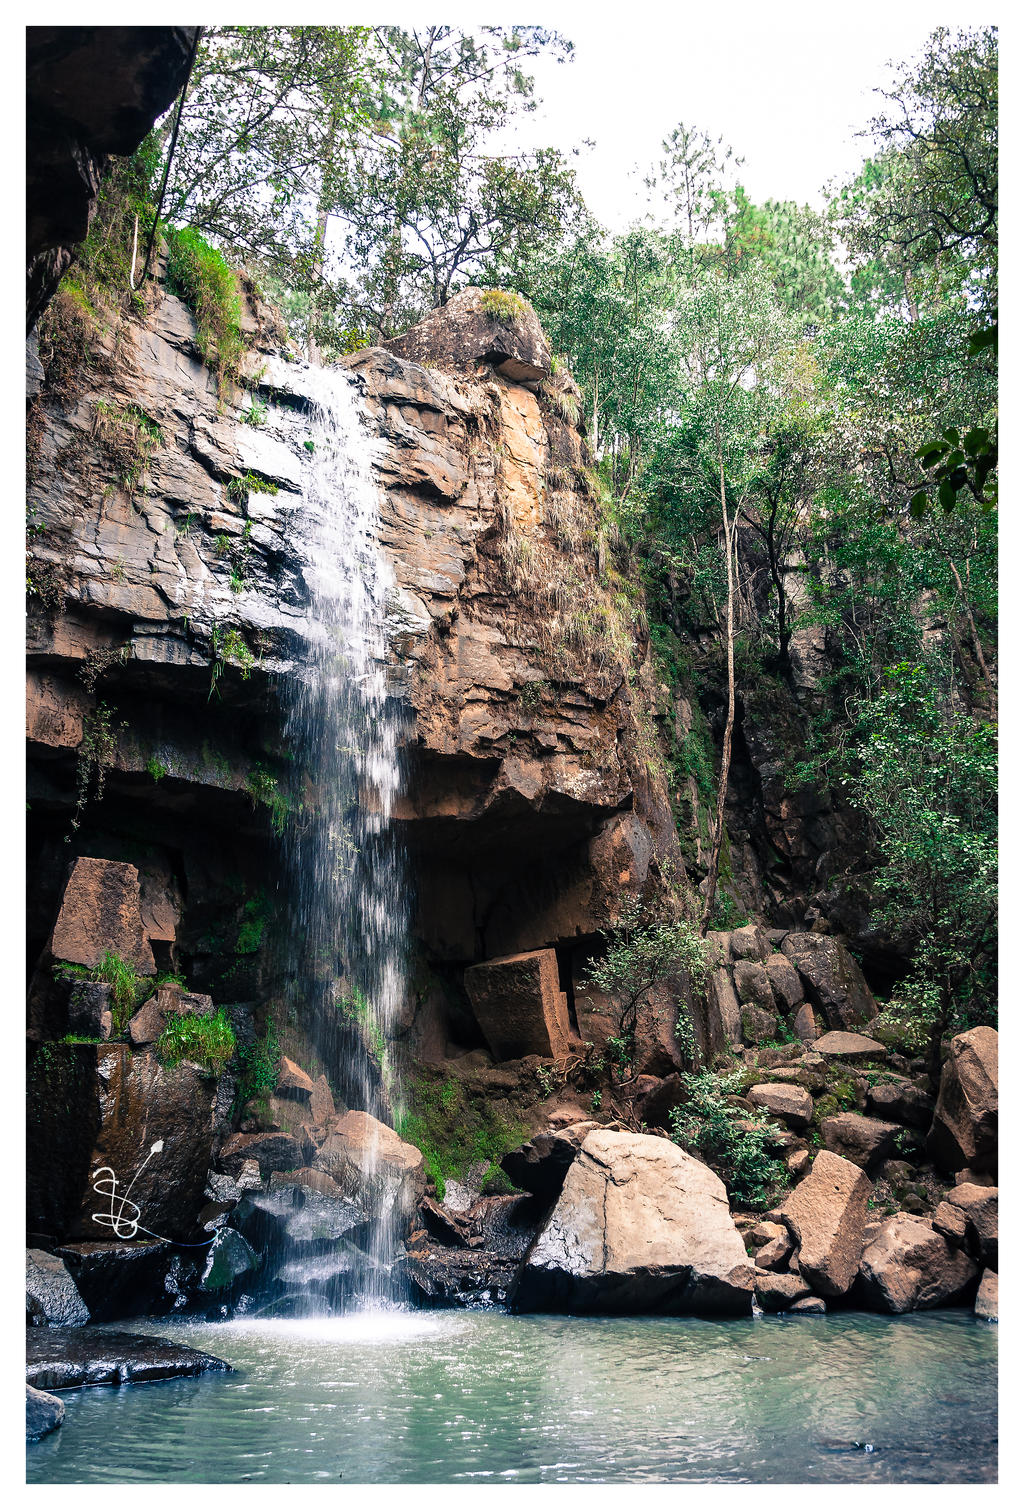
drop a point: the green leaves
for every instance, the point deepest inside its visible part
(956, 464)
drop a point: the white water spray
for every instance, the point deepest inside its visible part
(348, 908)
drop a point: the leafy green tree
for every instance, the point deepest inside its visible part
(926, 779)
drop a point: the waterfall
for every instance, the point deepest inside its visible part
(347, 909)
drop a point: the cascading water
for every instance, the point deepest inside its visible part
(347, 912)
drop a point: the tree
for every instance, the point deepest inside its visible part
(429, 200)
(641, 954)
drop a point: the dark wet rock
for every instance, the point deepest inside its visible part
(273, 1152)
(454, 1277)
(51, 1295)
(229, 1257)
(76, 1356)
(541, 1165)
(445, 1227)
(89, 1014)
(911, 1267)
(966, 1125)
(639, 1226)
(43, 1413)
(304, 1206)
(835, 982)
(812, 1305)
(131, 1278)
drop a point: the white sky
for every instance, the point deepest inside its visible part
(786, 86)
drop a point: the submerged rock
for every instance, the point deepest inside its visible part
(640, 1225)
(43, 1413)
(77, 1356)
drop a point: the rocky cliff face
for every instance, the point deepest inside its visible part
(169, 602)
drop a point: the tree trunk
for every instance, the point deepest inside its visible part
(730, 716)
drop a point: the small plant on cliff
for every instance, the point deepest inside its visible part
(96, 751)
(707, 1126)
(256, 414)
(201, 277)
(229, 649)
(501, 306)
(128, 437)
(128, 989)
(239, 488)
(257, 1068)
(265, 792)
(642, 953)
(208, 1042)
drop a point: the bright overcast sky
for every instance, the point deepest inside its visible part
(786, 85)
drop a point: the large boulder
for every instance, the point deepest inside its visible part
(854, 1047)
(640, 1225)
(778, 1292)
(826, 1214)
(373, 1166)
(965, 1128)
(102, 1107)
(753, 987)
(789, 992)
(863, 1140)
(899, 1100)
(480, 326)
(979, 1205)
(724, 1024)
(51, 1295)
(834, 980)
(519, 1005)
(99, 911)
(273, 1152)
(911, 1267)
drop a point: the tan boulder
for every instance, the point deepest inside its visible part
(951, 1222)
(750, 942)
(979, 1206)
(364, 1155)
(786, 984)
(986, 1302)
(293, 1082)
(321, 1103)
(753, 987)
(965, 1128)
(826, 1215)
(724, 1027)
(804, 1025)
(99, 911)
(791, 1102)
(911, 1267)
(640, 1225)
(475, 327)
(778, 1292)
(519, 1006)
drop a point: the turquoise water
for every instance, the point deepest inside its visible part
(481, 1397)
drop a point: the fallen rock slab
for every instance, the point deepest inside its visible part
(43, 1413)
(852, 1046)
(965, 1128)
(791, 1102)
(834, 980)
(826, 1215)
(77, 1356)
(640, 1226)
(979, 1205)
(911, 1267)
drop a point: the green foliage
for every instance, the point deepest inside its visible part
(239, 488)
(199, 274)
(128, 989)
(265, 791)
(454, 1129)
(256, 414)
(706, 1125)
(208, 1041)
(642, 953)
(95, 757)
(501, 306)
(156, 768)
(258, 1065)
(228, 648)
(255, 916)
